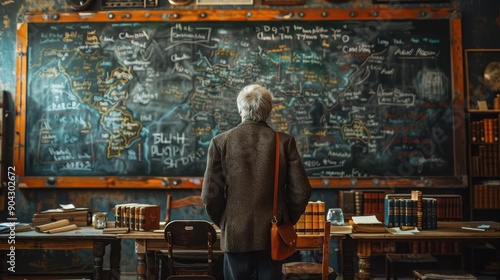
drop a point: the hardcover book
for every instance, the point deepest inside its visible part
(308, 217)
(149, 217)
(347, 203)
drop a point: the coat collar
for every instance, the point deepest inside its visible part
(250, 122)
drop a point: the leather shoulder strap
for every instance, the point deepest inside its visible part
(276, 176)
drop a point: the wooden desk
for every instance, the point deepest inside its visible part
(147, 243)
(82, 238)
(446, 231)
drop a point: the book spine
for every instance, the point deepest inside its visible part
(315, 217)
(309, 218)
(425, 214)
(118, 216)
(347, 203)
(389, 204)
(358, 202)
(397, 212)
(149, 217)
(137, 217)
(414, 214)
(474, 132)
(142, 218)
(419, 210)
(481, 131)
(300, 226)
(322, 216)
(433, 214)
(380, 206)
(367, 203)
(407, 212)
(131, 217)
(491, 196)
(125, 218)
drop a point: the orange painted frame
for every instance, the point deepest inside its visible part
(383, 15)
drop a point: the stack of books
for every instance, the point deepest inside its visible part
(313, 219)
(487, 194)
(366, 224)
(137, 216)
(362, 203)
(410, 210)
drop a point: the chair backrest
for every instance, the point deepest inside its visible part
(318, 242)
(193, 200)
(190, 234)
(326, 251)
(185, 235)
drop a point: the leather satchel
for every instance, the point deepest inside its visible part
(283, 241)
(284, 236)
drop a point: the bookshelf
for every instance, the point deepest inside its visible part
(371, 202)
(484, 183)
(483, 104)
(483, 121)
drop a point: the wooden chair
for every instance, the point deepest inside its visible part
(193, 256)
(311, 270)
(190, 236)
(193, 200)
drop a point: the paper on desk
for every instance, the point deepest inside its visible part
(396, 230)
(14, 226)
(55, 227)
(367, 220)
(67, 206)
(62, 229)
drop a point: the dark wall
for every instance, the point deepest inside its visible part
(480, 24)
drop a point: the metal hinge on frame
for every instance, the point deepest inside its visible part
(129, 4)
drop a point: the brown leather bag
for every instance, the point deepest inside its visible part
(283, 241)
(284, 236)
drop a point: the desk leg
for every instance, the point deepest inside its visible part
(364, 253)
(114, 259)
(151, 265)
(140, 250)
(98, 257)
(497, 253)
(347, 258)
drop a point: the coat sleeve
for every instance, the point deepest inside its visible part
(298, 188)
(212, 193)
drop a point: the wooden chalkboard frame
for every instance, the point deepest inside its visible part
(458, 180)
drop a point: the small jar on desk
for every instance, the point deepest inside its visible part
(100, 220)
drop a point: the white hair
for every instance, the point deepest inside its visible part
(255, 103)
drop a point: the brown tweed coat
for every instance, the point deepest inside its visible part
(238, 185)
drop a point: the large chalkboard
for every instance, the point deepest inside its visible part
(145, 98)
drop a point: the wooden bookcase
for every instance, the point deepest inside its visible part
(484, 164)
(482, 68)
(483, 104)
